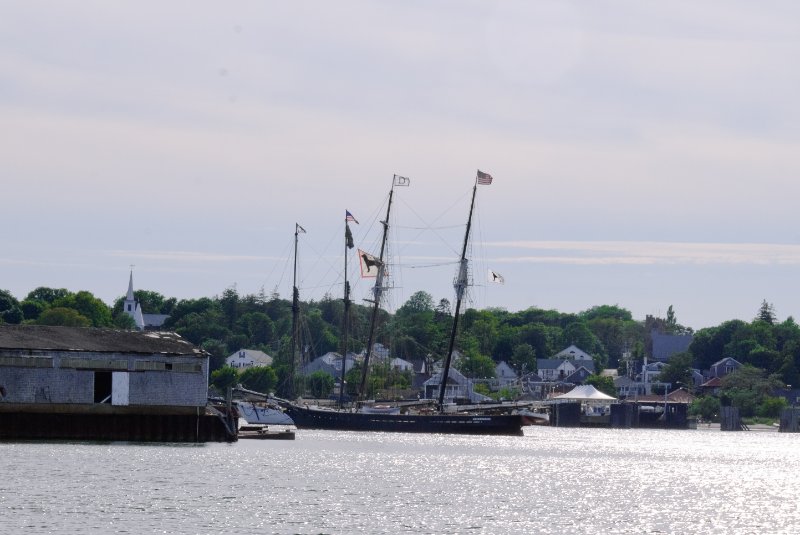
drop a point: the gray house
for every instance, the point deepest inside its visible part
(96, 380)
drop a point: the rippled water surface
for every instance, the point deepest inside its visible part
(549, 481)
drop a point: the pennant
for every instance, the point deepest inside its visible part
(484, 179)
(349, 217)
(348, 237)
(299, 229)
(370, 265)
(401, 181)
(496, 277)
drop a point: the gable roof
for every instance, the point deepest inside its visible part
(573, 352)
(46, 337)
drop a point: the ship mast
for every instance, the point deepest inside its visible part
(295, 313)
(460, 284)
(377, 290)
(348, 244)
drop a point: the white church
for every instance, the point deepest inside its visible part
(149, 322)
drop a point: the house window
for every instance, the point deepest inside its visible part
(129, 308)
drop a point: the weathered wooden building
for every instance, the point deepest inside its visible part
(103, 384)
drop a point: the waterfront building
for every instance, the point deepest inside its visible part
(69, 382)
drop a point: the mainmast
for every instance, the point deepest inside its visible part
(460, 284)
(377, 290)
(295, 313)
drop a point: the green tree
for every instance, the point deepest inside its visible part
(224, 378)
(259, 378)
(706, 407)
(65, 317)
(89, 306)
(473, 364)
(766, 313)
(524, 358)
(9, 308)
(320, 384)
(678, 370)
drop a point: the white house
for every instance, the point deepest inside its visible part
(245, 358)
(573, 352)
(504, 375)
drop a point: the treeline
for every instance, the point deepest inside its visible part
(420, 328)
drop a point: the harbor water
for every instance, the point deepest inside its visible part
(549, 481)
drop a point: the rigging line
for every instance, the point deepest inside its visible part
(433, 229)
(422, 266)
(430, 228)
(285, 255)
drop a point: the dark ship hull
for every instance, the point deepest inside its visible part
(462, 424)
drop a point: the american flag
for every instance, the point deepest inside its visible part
(484, 179)
(349, 217)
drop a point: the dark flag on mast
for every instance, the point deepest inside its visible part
(348, 237)
(484, 179)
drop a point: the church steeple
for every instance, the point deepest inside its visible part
(130, 297)
(131, 307)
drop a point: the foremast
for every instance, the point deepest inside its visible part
(377, 290)
(348, 244)
(460, 284)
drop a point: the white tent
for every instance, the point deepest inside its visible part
(585, 393)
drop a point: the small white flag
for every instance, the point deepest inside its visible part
(300, 229)
(401, 181)
(496, 277)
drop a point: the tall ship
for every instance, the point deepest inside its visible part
(415, 418)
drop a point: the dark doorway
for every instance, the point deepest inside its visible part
(102, 387)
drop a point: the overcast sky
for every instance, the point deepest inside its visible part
(644, 154)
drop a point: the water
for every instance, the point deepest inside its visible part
(549, 481)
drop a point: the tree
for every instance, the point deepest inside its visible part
(9, 308)
(89, 306)
(678, 370)
(65, 317)
(524, 358)
(224, 378)
(259, 378)
(473, 364)
(320, 384)
(766, 313)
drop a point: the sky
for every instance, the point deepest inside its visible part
(644, 154)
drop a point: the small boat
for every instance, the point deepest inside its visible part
(259, 413)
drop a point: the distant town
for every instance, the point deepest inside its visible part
(532, 354)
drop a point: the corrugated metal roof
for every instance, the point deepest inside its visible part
(44, 337)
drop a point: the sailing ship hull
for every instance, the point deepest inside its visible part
(462, 424)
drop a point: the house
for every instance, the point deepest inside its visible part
(504, 376)
(628, 388)
(103, 384)
(559, 369)
(457, 387)
(578, 376)
(143, 321)
(652, 370)
(723, 367)
(573, 352)
(246, 358)
(330, 363)
(401, 365)
(666, 345)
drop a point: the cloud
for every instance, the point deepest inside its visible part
(650, 253)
